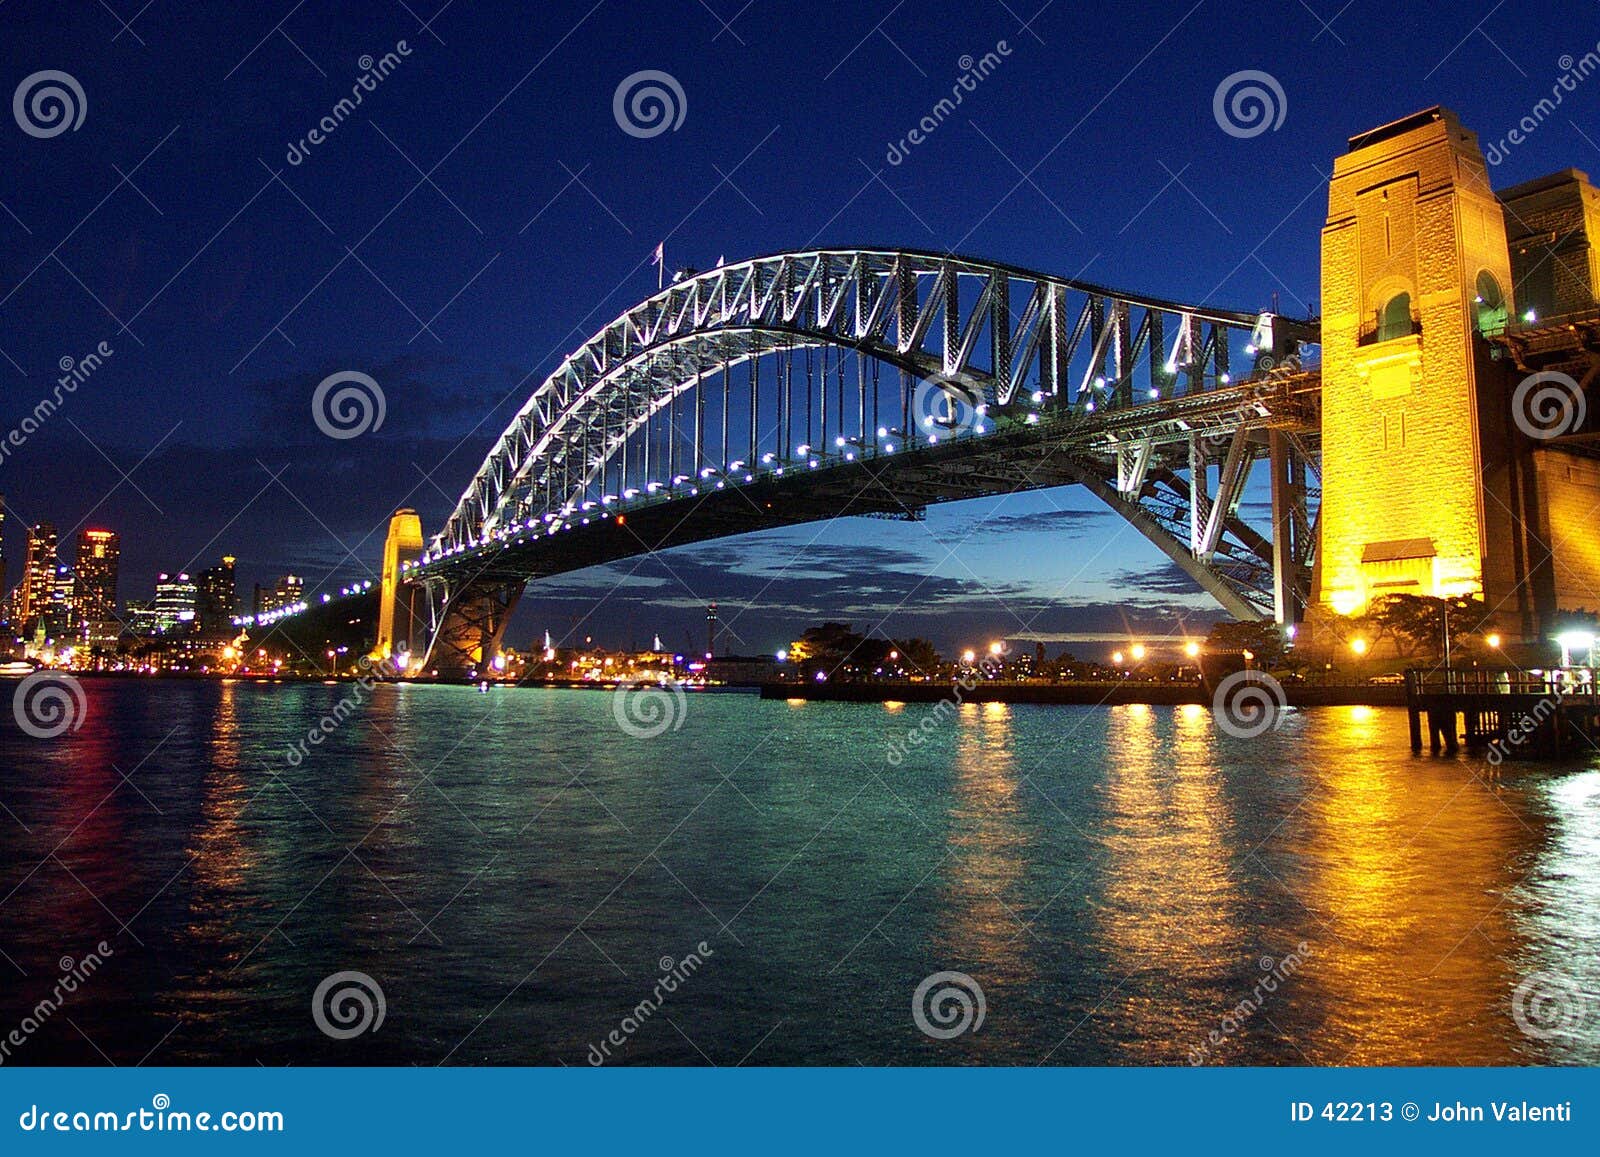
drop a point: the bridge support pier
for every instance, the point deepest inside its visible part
(468, 625)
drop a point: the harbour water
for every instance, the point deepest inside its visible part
(518, 872)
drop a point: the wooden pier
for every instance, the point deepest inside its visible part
(1513, 713)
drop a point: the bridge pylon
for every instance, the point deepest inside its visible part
(1413, 249)
(400, 624)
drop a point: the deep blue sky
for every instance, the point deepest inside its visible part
(540, 215)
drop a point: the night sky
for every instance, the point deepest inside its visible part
(482, 213)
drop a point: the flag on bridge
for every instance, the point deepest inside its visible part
(659, 260)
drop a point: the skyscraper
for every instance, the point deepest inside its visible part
(96, 565)
(39, 574)
(214, 609)
(288, 591)
(176, 596)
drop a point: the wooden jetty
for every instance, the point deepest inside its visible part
(1513, 713)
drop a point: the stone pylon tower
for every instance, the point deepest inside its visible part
(1415, 267)
(396, 602)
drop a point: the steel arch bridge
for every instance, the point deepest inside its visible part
(813, 384)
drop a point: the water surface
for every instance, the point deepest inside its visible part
(515, 870)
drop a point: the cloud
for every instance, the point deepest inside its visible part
(1063, 523)
(1166, 579)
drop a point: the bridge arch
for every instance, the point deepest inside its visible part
(812, 360)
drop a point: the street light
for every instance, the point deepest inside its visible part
(1493, 641)
(1359, 646)
(996, 648)
(1137, 650)
(1116, 658)
(1192, 649)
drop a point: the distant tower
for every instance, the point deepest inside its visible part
(96, 565)
(1413, 249)
(711, 630)
(39, 573)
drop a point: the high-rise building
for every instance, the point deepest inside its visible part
(141, 617)
(288, 591)
(5, 603)
(214, 609)
(39, 573)
(176, 597)
(60, 615)
(95, 568)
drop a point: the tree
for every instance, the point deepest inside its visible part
(1263, 640)
(825, 648)
(920, 657)
(1417, 624)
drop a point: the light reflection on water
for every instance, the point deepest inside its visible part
(511, 867)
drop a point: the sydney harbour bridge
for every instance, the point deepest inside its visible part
(838, 382)
(822, 383)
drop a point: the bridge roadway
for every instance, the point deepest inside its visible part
(1066, 447)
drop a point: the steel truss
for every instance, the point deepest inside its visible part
(748, 373)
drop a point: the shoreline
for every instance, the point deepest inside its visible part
(1076, 694)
